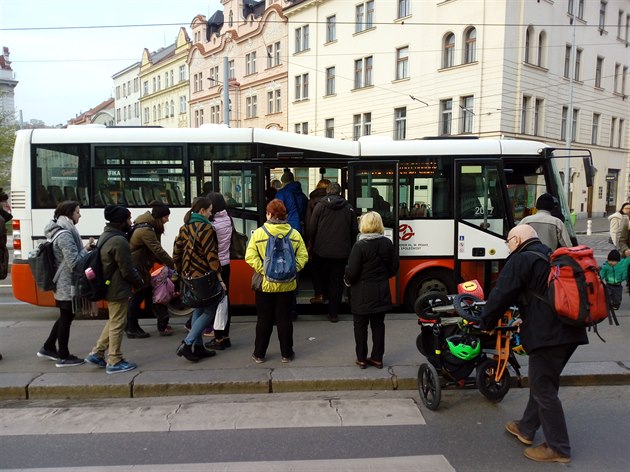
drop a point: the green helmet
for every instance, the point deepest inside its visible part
(464, 347)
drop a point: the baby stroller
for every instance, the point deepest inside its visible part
(454, 346)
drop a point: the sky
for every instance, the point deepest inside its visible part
(64, 52)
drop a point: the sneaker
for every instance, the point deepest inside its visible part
(46, 354)
(96, 360)
(168, 331)
(208, 332)
(121, 366)
(70, 361)
(258, 360)
(544, 453)
(317, 299)
(512, 428)
(287, 359)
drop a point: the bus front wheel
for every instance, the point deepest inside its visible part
(433, 280)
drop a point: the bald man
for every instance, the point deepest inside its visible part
(548, 341)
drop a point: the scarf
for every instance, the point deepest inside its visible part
(66, 223)
(197, 218)
(370, 236)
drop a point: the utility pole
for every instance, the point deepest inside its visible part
(569, 127)
(226, 91)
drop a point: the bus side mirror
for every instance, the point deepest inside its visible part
(588, 170)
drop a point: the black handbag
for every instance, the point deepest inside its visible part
(238, 244)
(201, 291)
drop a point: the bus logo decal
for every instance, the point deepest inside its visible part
(406, 232)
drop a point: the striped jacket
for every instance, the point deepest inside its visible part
(196, 251)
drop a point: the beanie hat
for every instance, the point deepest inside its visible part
(159, 209)
(334, 189)
(287, 176)
(116, 213)
(545, 202)
(614, 255)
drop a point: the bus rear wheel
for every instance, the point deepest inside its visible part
(433, 280)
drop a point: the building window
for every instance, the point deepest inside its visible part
(214, 76)
(172, 108)
(145, 88)
(403, 8)
(620, 16)
(602, 14)
(118, 115)
(159, 82)
(363, 72)
(402, 63)
(166, 84)
(595, 128)
(620, 140)
(251, 106)
(598, 71)
(449, 50)
(580, 13)
(613, 125)
(153, 89)
(364, 16)
(273, 55)
(330, 127)
(470, 46)
(624, 74)
(301, 87)
(567, 61)
(542, 39)
(273, 101)
(136, 85)
(159, 112)
(147, 118)
(563, 123)
(215, 114)
(616, 77)
(361, 125)
(250, 63)
(574, 124)
(231, 69)
(182, 73)
(118, 92)
(301, 38)
(538, 110)
(578, 64)
(166, 110)
(196, 118)
(466, 106)
(194, 83)
(155, 113)
(446, 116)
(182, 104)
(330, 80)
(136, 110)
(301, 128)
(570, 7)
(627, 30)
(331, 28)
(400, 123)
(525, 104)
(528, 42)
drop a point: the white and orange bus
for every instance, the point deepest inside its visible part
(447, 204)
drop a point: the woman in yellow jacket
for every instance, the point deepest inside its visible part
(274, 299)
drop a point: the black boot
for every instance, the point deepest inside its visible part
(186, 351)
(201, 352)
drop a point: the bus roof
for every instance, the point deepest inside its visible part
(374, 148)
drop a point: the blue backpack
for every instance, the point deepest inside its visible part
(279, 264)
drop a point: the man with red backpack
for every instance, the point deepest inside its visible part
(549, 342)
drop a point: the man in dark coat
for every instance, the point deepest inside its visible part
(294, 200)
(332, 231)
(548, 341)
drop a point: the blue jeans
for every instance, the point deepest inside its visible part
(202, 318)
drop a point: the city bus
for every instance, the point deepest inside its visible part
(447, 204)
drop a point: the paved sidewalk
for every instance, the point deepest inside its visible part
(324, 361)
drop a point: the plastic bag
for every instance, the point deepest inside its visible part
(221, 317)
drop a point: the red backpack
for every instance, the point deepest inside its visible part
(576, 292)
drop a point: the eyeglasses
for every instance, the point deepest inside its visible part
(507, 241)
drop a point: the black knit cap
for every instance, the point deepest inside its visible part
(545, 202)
(614, 255)
(116, 213)
(159, 209)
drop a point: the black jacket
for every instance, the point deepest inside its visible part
(371, 264)
(333, 228)
(524, 273)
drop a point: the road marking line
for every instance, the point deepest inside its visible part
(198, 417)
(428, 463)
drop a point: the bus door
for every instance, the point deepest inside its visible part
(481, 220)
(373, 186)
(242, 186)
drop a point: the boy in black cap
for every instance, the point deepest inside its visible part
(613, 273)
(122, 276)
(551, 230)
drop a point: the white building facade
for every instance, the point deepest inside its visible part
(407, 69)
(127, 96)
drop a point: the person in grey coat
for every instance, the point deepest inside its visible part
(372, 262)
(67, 248)
(551, 230)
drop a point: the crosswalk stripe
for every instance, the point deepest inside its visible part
(428, 463)
(204, 417)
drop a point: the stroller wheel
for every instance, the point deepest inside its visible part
(429, 386)
(486, 383)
